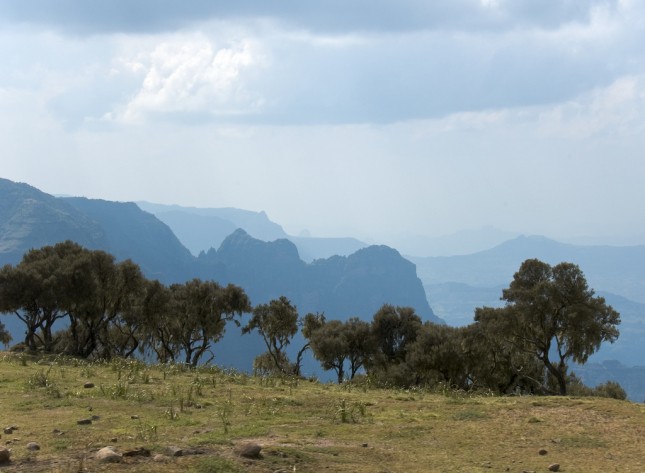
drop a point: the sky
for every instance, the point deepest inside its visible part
(376, 119)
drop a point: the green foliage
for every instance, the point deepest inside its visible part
(551, 309)
(277, 323)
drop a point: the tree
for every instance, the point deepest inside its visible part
(277, 323)
(98, 293)
(337, 343)
(329, 346)
(438, 354)
(393, 330)
(32, 291)
(551, 312)
(199, 311)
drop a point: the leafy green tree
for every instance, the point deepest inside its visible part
(360, 344)
(5, 336)
(99, 294)
(496, 364)
(393, 330)
(551, 312)
(342, 345)
(438, 355)
(159, 326)
(277, 323)
(32, 291)
(329, 346)
(199, 311)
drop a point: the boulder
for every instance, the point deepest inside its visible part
(248, 450)
(108, 455)
(33, 447)
(5, 455)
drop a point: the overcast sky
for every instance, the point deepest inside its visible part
(375, 119)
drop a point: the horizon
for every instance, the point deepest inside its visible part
(387, 123)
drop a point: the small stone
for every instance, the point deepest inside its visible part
(84, 422)
(5, 455)
(8, 430)
(160, 458)
(487, 464)
(554, 467)
(88, 385)
(248, 450)
(114, 440)
(33, 446)
(542, 451)
(364, 445)
(108, 455)
(174, 451)
(95, 417)
(134, 417)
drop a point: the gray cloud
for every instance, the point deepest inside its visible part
(332, 16)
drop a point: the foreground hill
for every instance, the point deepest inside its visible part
(166, 418)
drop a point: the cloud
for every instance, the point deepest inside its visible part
(338, 16)
(188, 75)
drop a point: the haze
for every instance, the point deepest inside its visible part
(379, 120)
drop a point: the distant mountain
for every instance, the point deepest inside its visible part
(619, 270)
(30, 218)
(132, 233)
(201, 229)
(340, 286)
(459, 243)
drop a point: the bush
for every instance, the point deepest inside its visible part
(610, 389)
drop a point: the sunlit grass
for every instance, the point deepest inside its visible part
(300, 424)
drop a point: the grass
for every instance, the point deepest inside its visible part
(302, 426)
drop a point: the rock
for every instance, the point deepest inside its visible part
(364, 445)
(5, 455)
(33, 446)
(248, 450)
(95, 417)
(137, 452)
(174, 451)
(134, 417)
(114, 440)
(88, 385)
(8, 430)
(542, 451)
(108, 455)
(84, 422)
(554, 467)
(160, 458)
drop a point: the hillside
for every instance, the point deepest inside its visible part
(30, 218)
(340, 286)
(166, 418)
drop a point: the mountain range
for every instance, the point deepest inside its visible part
(339, 286)
(341, 277)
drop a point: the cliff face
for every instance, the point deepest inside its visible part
(341, 287)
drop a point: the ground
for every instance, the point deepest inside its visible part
(153, 411)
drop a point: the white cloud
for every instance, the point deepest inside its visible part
(192, 75)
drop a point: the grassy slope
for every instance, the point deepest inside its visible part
(303, 426)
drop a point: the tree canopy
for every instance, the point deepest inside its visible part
(551, 313)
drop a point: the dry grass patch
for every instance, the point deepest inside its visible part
(299, 424)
